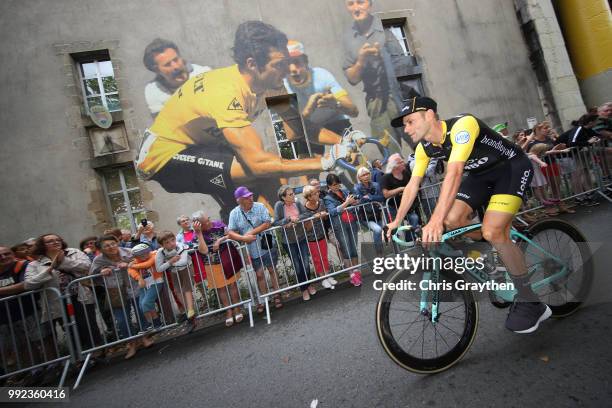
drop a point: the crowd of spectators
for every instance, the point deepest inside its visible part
(563, 159)
(122, 284)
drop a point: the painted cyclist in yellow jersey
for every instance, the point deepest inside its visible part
(203, 140)
(498, 173)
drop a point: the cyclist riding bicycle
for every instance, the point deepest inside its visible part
(498, 173)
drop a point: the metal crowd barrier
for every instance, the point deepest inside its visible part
(294, 259)
(121, 294)
(29, 344)
(296, 255)
(572, 173)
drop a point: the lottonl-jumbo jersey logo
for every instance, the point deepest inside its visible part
(462, 137)
(234, 105)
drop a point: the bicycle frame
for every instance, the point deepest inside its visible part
(443, 249)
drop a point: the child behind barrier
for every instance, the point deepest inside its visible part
(151, 283)
(179, 262)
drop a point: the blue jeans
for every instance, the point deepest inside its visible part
(299, 254)
(267, 259)
(376, 233)
(149, 296)
(123, 318)
(346, 235)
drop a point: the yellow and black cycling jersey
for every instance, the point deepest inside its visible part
(467, 139)
(196, 114)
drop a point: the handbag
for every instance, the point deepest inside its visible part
(348, 217)
(267, 240)
(231, 261)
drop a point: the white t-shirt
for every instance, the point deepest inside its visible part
(156, 94)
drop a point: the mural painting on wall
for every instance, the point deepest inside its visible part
(202, 138)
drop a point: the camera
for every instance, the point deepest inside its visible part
(144, 222)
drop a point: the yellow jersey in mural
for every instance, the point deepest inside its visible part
(197, 112)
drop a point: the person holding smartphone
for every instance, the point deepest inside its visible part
(345, 223)
(145, 234)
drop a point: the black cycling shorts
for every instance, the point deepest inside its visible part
(200, 169)
(503, 186)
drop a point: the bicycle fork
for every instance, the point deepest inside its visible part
(429, 277)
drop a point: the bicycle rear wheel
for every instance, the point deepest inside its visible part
(563, 241)
(408, 334)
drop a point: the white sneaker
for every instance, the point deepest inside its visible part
(326, 283)
(332, 281)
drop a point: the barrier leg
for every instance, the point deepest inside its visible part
(82, 372)
(64, 373)
(601, 193)
(250, 309)
(267, 300)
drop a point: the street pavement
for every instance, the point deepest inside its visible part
(327, 350)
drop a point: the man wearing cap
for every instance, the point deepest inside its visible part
(502, 129)
(367, 59)
(162, 57)
(498, 173)
(325, 105)
(246, 223)
(204, 141)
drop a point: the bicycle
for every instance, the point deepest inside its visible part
(446, 321)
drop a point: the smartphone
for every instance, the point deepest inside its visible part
(144, 222)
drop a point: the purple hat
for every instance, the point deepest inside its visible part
(242, 192)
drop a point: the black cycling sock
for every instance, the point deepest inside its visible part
(523, 288)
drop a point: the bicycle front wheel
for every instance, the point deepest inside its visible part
(408, 334)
